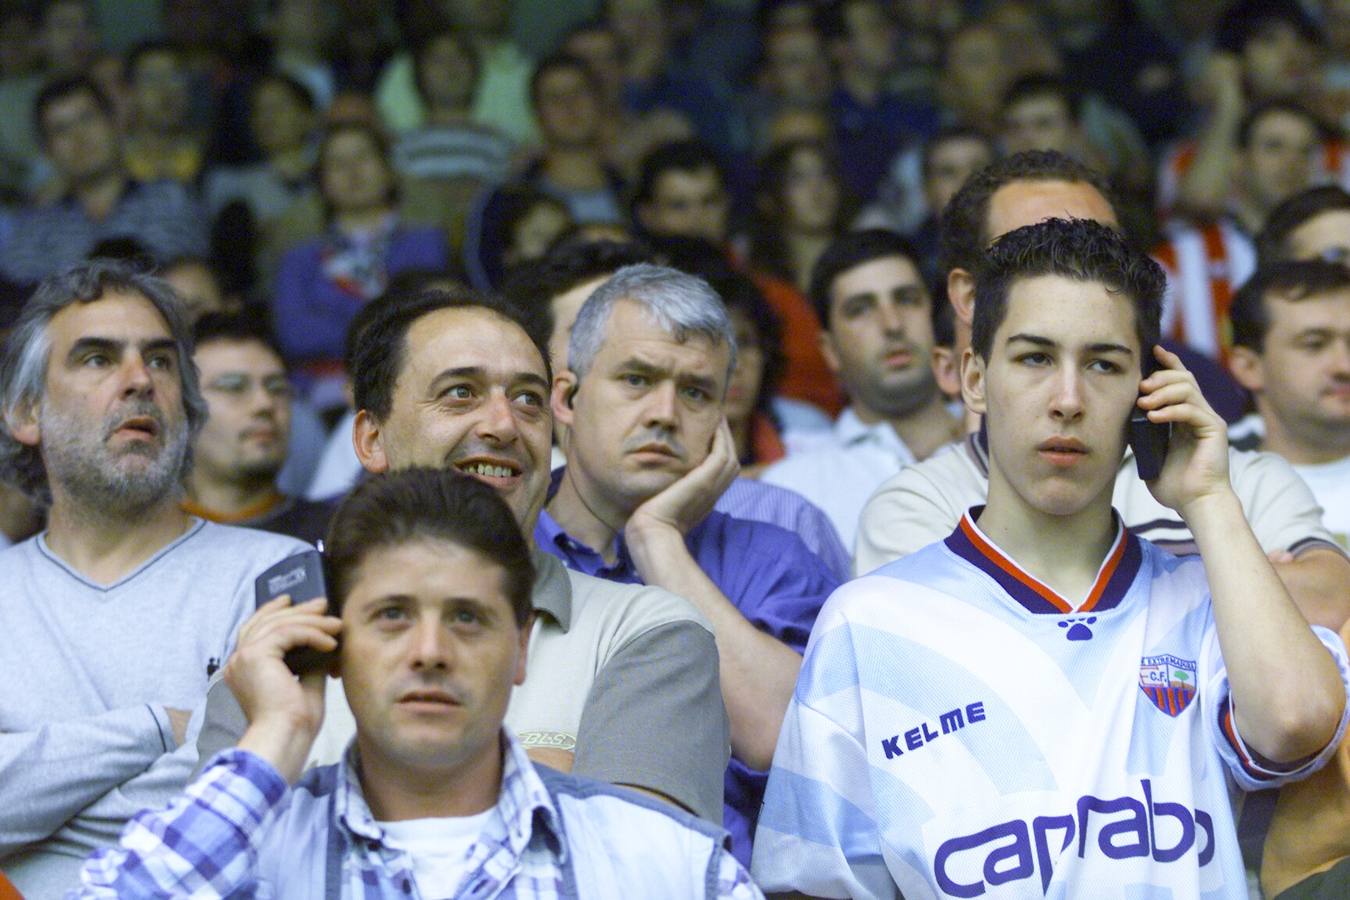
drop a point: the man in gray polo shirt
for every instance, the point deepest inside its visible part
(623, 679)
(115, 617)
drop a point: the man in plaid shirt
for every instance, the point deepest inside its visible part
(431, 580)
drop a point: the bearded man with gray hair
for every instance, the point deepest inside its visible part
(115, 617)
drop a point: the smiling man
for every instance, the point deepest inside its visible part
(431, 584)
(1043, 702)
(649, 453)
(117, 615)
(456, 379)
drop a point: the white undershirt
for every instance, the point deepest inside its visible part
(438, 848)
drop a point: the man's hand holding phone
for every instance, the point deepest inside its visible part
(284, 710)
(1195, 467)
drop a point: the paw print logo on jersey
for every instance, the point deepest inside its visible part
(1077, 628)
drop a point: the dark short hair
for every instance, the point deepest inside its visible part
(1272, 243)
(1290, 280)
(1041, 85)
(62, 88)
(847, 252)
(557, 61)
(297, 88)
(25, 357)
(950, 134)
(964, 224)
(675, 156)
(1245, 19)
(420, 503)
(379, 347)
(424, 44)
(534, 286)
(235, 328)
(1078, 249)
(1289, 107)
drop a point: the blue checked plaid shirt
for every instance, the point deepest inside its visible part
(239, 831)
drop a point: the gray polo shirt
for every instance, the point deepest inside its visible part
(625, 676)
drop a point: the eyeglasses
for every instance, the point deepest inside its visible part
(235, 384)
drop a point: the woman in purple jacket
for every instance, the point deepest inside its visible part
(323, 282)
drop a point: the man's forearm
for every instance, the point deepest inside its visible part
(1286, 689)
(241, 792)
(1319, 583)
(48, 775)
(758, 672)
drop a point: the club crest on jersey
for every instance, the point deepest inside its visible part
(1169, 682)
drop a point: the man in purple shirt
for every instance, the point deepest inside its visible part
(648, 454)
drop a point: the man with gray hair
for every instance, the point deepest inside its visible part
(116, 616)
(650, 452)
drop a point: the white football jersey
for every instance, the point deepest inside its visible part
(960, 730)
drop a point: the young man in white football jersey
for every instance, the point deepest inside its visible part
(1043, 703)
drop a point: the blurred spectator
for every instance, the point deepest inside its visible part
(877, 320)
(926, 26)
(800, 208)
(282, 117)
(1291, 349)
(299, 31)
(198, 287)
(653, 79)
(160, 142)
(516, 224)
(1264, 52)
(1110, 51)
(974, 77)
(66, 41)
(755, 429)
(872, 123)
(793, 75)
(100, 199)
(1313, 224)
(1208, 261)
(626, 136)
(448, 160)
(324, 281)
(502, 98)
(244, 441)
(947, 160)
(681, 192)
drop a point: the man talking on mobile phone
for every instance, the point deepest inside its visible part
(1043, 702)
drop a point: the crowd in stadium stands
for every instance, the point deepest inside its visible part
(813, 448)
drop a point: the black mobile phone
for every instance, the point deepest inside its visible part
(301, 576)
(1148, 439)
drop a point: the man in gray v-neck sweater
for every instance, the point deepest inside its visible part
(115, 617)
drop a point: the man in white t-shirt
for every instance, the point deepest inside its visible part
(1291, 349)
(431, 583)
(876, 334)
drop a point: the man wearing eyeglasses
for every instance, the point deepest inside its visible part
(244, 442)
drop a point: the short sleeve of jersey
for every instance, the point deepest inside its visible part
(1282, 511)
(818, 831)
(1248, 769)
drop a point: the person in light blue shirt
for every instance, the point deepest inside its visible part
(877, 336)
(429, 627)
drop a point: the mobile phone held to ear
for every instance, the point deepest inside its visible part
(1148, 439)
(302, 577)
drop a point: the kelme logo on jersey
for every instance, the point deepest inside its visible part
(1168, 681)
